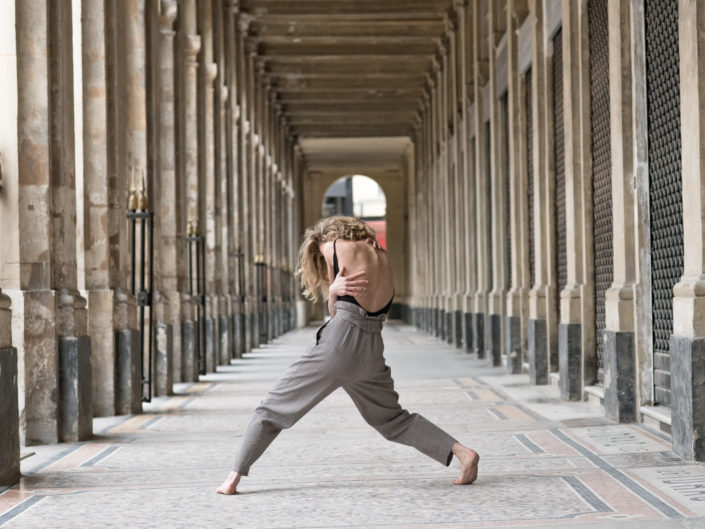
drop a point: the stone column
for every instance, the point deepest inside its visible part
(458, 175)
(246, 255)
(9, 415)
(190, 46)
(687, 345)
(517, 307)
(101, 216)
(234, 133)
(480, 78)
(254, 190)
(168, 350)
(619, 365)
(574, 353)
(223, 181)
(538, 333)
(207, 187)
(496, 231)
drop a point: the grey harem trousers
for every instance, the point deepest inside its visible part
(347, 352)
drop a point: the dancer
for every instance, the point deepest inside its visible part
(347, 352)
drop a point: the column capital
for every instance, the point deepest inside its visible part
(231, 4)
(251, 47)
(211, 72)
(449, 25)
(460, 4)
(192, 45)
(224, 92)
(167, 14)
(243, 23)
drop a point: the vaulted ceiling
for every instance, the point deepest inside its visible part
(348, 68)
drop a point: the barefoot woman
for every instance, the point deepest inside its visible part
(343, 254)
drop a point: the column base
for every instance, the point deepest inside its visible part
(494, 351)
(688, 396)
(254, 330)
(513, 341)
(538, 352)
(189, 344)
(163, 350)
(225, 335)
(458, 328)
(128, 391)
(263, 327)
(238, 335)
(467, 331)
(479, 333)
(75, 389)
(441, 323)
(450, 326)
(570, 361)
(9, 419)
(211, 360)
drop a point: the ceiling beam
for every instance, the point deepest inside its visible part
(353, 95)
(291, 84)
(348, 47)
(358, 64)
(262, 28)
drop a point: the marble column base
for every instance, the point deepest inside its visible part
(458, 328)
(189, 343)
(479, 334)
(247, 332)
(620, 376)
(263, 326)
(570, 361)
(128, 390)
(539, 368)
(513, 344)
(238, 335)
(163, 350)
(494, 348)
(210, 342)
(468, 331)
(75, 389)
(225, 335)
(254, 329)
(9, 418)
(688, 396)
(449, 326)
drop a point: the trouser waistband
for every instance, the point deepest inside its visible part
(358, 316)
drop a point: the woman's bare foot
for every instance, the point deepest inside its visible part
(469, 460)
(229, 486)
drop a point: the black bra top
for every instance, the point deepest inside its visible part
(351, 299)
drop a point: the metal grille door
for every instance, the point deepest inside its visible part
(559, 161)
(663, 100)
(601, 177)
(530, 172)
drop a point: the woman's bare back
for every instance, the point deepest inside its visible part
(362, 255)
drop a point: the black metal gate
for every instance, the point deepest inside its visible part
(665, 186)
(601, 171)
(530, 172)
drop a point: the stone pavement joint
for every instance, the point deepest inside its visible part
(545, 462)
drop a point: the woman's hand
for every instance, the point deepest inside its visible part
(348, 286)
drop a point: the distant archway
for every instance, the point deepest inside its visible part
(358, 196)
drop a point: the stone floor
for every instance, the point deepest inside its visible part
(544, 462)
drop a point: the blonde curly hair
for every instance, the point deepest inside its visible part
(312, 265)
